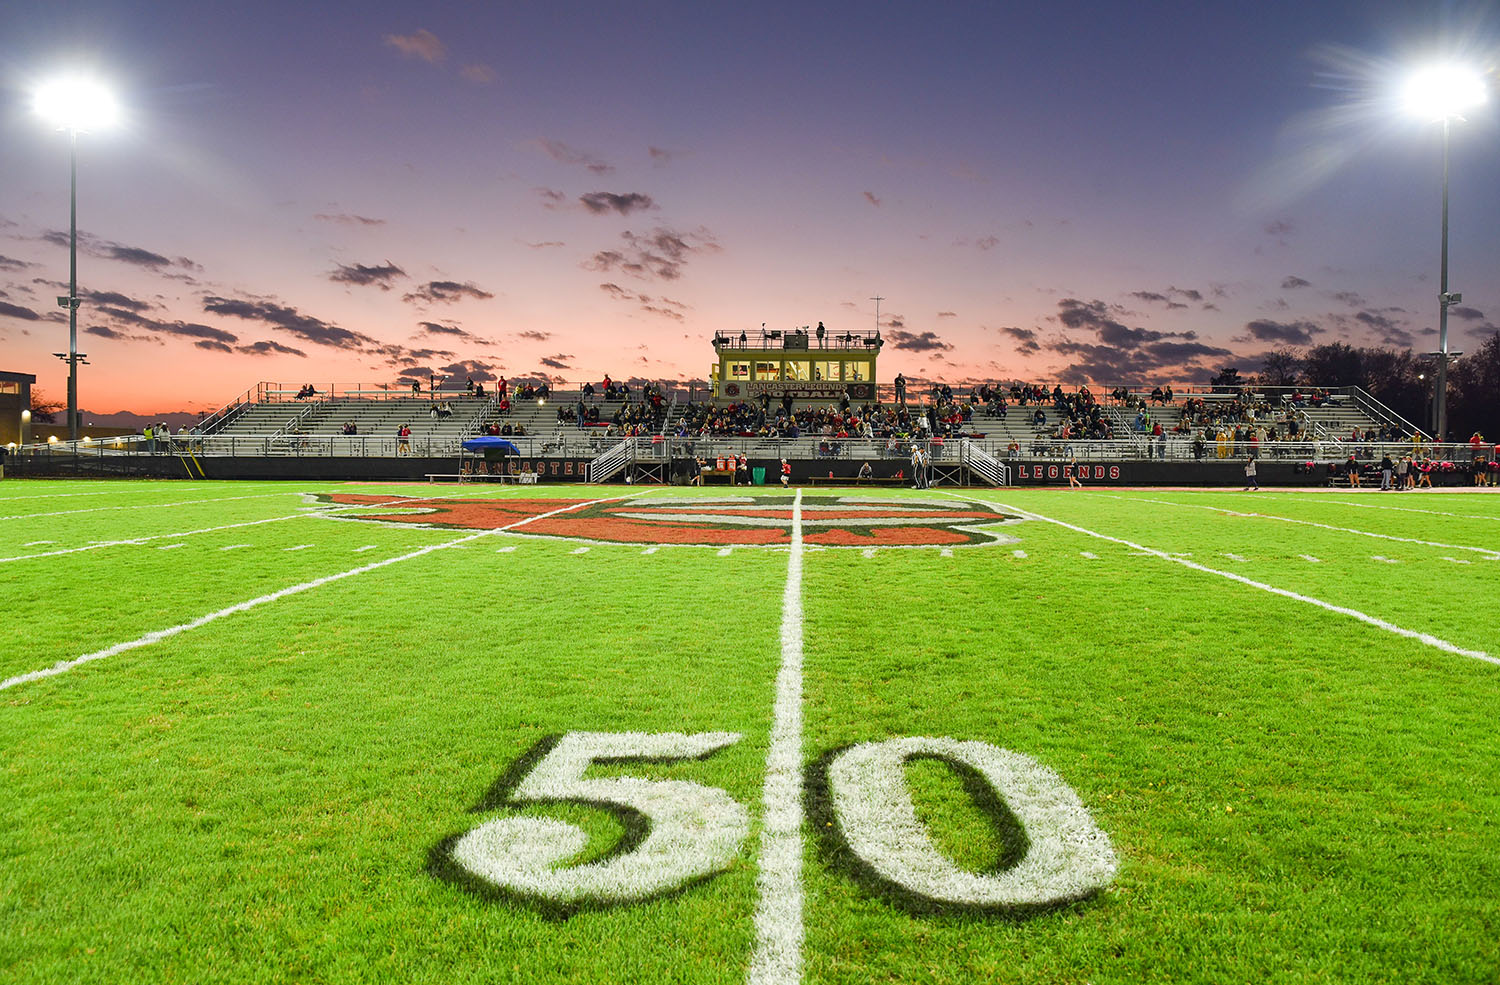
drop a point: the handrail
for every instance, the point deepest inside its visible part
(471, 426)
(222, 414)
(606, 465)
(1374, 408)
(299, 417)
(990, 468)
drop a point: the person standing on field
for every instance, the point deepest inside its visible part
(1250, 482)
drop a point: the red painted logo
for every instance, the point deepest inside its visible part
(748, 521)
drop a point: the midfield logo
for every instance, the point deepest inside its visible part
(739, 521)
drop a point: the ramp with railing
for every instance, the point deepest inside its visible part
(986, 466)
(609, 464)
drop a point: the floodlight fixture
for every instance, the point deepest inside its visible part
(1443, 91)
(76, 103)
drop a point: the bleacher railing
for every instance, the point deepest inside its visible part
(591, 443)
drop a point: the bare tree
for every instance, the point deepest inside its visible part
(1281, 368)
(43, 409)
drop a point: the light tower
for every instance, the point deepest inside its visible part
(76, 105)
(1443, 93)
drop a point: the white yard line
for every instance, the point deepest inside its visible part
(103, 492)
(1404, 509)
(1310, 523)
(148, 506)
(778, 913)
(205, 530)
(1425, 638)
(63, 666)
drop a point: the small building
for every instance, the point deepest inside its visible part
(15, 408)
(803, 363)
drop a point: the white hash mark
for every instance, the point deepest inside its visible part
(1456, 560)
(168, 547)
(946, 552)
(651, 550)
(1090, 555)
(1235, 557)
(1309, 557)
(505, 550)
(367, 547)
(868, 552)
(39, 543)
(579, 550)
(1383, 559)
(1019, 553)
(234, 547)
(725, 551)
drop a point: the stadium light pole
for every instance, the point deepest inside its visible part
(1443, 92)
(75, 105)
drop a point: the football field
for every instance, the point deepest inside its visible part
(345, 733)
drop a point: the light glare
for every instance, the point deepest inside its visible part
(76, 104)
(1441, 92)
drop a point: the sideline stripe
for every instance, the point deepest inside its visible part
(1410, 509)
(63, 666)
(146, 506)
(778, 913)
(1310, 523)
(206, 530)
(107, 492)
(1420, 637)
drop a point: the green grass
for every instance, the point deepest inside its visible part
(1294, 795)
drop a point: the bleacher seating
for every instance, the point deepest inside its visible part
(281, 423)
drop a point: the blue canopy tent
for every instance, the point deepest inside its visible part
(487, 444)
(488, 450)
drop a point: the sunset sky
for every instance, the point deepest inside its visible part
(342, 193)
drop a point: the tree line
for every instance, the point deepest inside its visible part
(1398, 378)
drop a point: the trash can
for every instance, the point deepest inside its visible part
(758, 476)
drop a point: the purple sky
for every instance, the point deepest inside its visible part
(339, 193)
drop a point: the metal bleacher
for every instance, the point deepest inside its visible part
(274, 420)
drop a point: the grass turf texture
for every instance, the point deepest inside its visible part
(1294, 795)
